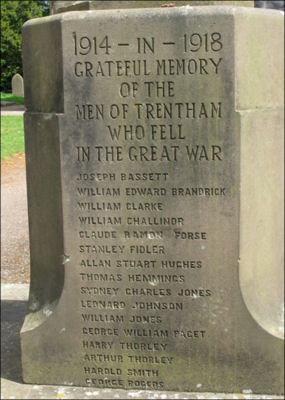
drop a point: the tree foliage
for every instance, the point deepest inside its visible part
(13, 15)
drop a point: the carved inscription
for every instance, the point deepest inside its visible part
(142, 191)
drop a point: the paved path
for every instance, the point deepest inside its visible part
(15, 258)
(13, 109)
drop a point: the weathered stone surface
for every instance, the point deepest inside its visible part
(55, 5)
(63, 6)
(261, 111)
(152, 219)
(17, 85)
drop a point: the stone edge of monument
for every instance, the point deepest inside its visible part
(102, 5)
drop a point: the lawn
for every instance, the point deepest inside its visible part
(12, 136)
(10, 97)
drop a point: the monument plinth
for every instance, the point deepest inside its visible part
(153, 141)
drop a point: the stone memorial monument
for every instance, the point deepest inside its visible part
(17, 85)
(154, 168)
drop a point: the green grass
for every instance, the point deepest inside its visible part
(12, 136)
(10, 97)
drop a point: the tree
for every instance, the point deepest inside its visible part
(13, 16)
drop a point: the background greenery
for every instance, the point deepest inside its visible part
(12, 136)
(13, 15)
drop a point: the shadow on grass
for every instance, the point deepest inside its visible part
(12, 317)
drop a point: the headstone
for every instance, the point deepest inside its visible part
(17, 85)
(154, 153)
